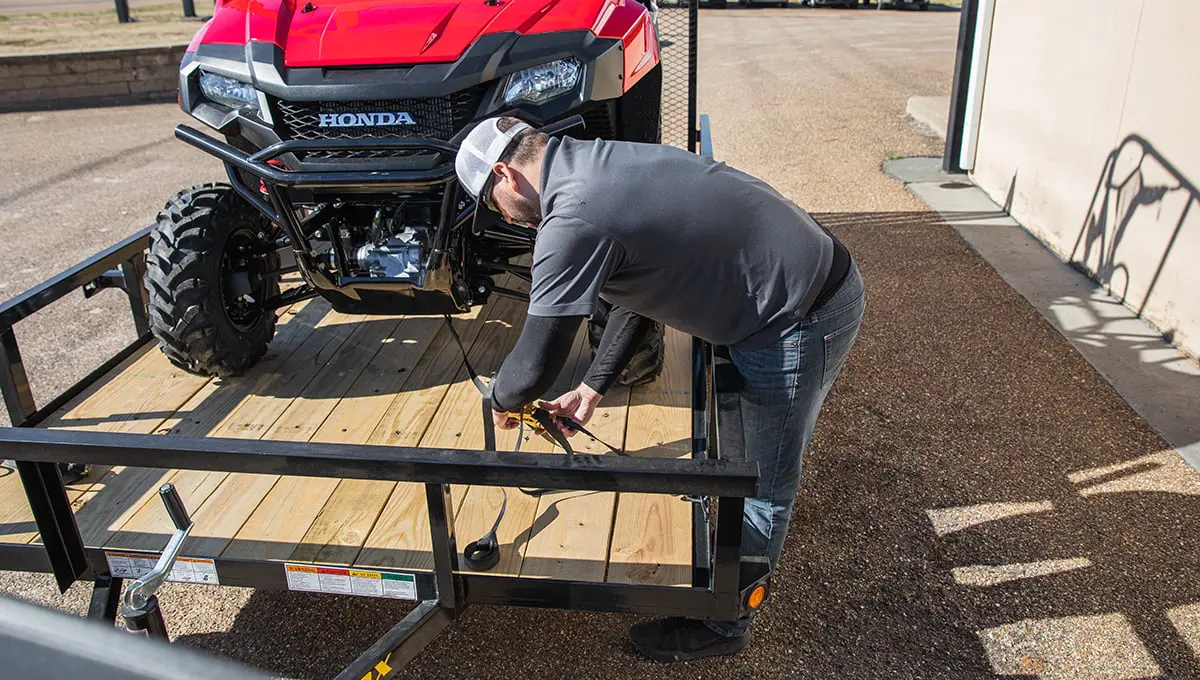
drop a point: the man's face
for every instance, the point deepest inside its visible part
(511, 195)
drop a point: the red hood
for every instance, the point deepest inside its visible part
(382, 32)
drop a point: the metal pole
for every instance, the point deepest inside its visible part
(693, 58)
(134, 286)
(145, 620)
(445, 550)
(106, 598)
(956, 121)
(123, 11)
(189, 9)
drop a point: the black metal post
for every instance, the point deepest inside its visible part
(55, 521)
(145, 620)
(189, 9)
(701, 412)
(445, 550)
(106, 598)
(14, 381)
(123, 11)
(956, 121)
(693, 49)
(42, 482)
(135, 288)
(727, 552)
(730, 444)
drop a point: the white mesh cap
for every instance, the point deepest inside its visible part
(483, 146)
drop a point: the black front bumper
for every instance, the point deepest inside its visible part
(442, 292)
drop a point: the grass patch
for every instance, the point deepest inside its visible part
(94, 30)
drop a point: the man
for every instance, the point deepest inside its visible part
(667, 235)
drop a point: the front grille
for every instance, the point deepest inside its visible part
(433, 118)
(597, 122)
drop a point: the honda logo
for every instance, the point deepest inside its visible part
(365, 119)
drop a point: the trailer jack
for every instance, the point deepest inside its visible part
(139, 606)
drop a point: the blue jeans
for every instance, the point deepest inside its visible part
(783, 387)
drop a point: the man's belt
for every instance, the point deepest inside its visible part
(837, 272)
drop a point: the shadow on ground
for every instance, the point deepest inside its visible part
(977, 501)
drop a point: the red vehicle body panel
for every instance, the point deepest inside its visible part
(396, 32)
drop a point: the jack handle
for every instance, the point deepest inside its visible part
(139, 604)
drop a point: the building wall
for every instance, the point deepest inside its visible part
(1090, 136)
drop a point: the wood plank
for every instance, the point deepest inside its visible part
(284, 516)
(480, 504)
(225, 512)
(570, 537)
(420, 359)
(307, 412)
(202, 414)
(343, 524)
(16, 517)
(213, 404)
(401, 540)
(282, 519)
(400, 537)
(148, 394)
(570, 534)
(398, 368)
(652, 533)
(150, 527)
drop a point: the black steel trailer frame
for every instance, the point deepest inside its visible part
(717, 478)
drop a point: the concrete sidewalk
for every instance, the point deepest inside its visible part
(932, 112)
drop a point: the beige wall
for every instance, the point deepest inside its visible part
(1090, 134)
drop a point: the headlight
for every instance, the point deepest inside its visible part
(540, 83)
(227, 91)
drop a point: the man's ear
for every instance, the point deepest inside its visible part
(506, 174)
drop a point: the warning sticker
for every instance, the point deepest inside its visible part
(185, 570)
(351, 581)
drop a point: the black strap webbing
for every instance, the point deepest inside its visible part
(485, 553)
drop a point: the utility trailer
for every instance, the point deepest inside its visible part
(352, 461)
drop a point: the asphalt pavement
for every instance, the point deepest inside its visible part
(977, 500)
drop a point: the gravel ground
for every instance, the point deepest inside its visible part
(977, 499)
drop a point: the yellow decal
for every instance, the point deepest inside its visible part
(382, 668)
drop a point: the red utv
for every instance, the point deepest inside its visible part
(340, 120)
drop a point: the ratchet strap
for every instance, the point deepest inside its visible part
(484, 553)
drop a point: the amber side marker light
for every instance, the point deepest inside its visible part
(756, 597)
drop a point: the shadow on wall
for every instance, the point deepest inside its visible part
(1137, 187)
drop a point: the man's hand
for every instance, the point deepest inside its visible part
(579, 404)
(504, 421)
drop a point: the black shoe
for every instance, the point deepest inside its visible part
(680, 639)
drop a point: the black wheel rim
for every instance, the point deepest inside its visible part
(243, 272)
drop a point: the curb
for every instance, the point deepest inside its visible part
(931, 112)
(56, 80)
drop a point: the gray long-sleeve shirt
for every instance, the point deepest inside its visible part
(691, 242)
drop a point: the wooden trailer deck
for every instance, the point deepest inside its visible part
(331, 377)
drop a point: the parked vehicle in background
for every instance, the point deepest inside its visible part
(903, 4)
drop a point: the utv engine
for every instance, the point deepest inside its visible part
(395, 247)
